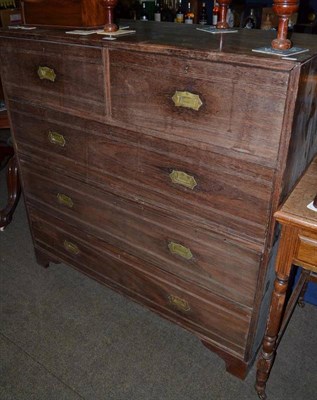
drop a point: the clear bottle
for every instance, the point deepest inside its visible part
(166, 13)
(179, 13)
(203, 15)
(189, 15)
(144, 15)
(250, 20)
(230, 18)
(267, 23)
(157, 11)
(215, 12)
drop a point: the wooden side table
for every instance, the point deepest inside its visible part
(298, 246)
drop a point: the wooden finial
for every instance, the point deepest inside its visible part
(223, 8)
(284, 9)
(110, 26)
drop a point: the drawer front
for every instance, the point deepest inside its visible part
(173, 244)
(222, 321)
(65, 77)
(307, 250)
(212, 188)
(236, 108)
(37, 130)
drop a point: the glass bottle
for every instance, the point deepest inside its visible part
(250, 20)
(215, 12)
(189, 15)
(230, 18)
(179, 13)
(203, 15)
(157, 11)
(144, 16)
(166, 13)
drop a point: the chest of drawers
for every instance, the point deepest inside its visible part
(154, 165)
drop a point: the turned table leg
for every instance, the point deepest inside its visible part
(283, 267)
(267, 355)
(14, 190)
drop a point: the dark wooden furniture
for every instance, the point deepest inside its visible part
(63, 13)
(298, 246)
(13, 183)
(154, 164)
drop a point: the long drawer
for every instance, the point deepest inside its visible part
(178, 246)
(221, 321)
(202, 100)
(212, 188)
(65, 77)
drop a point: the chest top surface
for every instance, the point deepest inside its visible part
(184, 40)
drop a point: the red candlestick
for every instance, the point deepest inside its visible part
(284, 9)
(110, 26)
(223, 8)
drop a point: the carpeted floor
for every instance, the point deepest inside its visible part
(64, 336)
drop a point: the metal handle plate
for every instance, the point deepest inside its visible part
(179, 303)
(56, 138)
(181, 178)
(46, 73)
(187, 100)
(180, 250)
(65, 200)
(71, 247)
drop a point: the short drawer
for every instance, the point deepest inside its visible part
(42, 131)
(172, 243)
(66, 77)
(226, 323)
(239, 109)
(307, 249)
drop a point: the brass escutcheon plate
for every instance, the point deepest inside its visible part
(187, 100)
(179, 303)
(180, 250)
(56, 138)
(46, 73)
(71, 247)
(65, 200)
(181, 178)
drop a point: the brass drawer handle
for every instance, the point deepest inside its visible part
(56, 138)
(179, 303)
(65, 200)
(181, 178)
(46, 73)
(180, 250)
(187, 100)
(71, 247)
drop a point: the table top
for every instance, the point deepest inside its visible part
(294, 210)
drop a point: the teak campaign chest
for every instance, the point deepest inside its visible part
(154, 164)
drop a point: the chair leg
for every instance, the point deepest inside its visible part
(14, 191)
